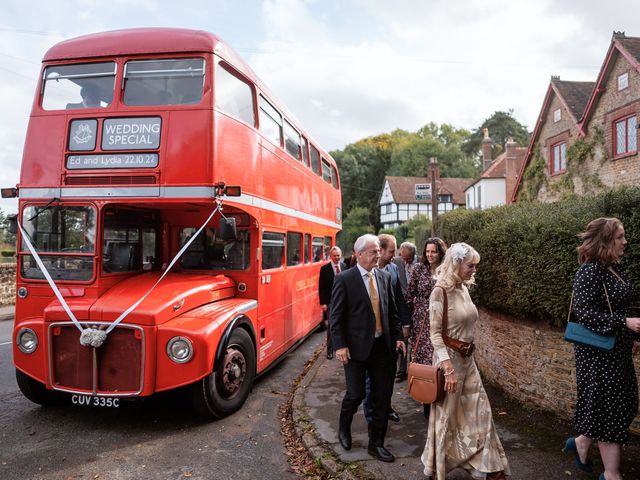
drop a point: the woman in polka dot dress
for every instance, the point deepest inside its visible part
(607, 390)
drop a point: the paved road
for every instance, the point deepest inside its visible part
(159, 438)
(7, 377)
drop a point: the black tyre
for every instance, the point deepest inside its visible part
(225, 390)
(37, 392)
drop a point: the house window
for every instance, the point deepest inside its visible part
(558, 158)
(623, 81)
(557, 115)
(479, 197)
(624, 133)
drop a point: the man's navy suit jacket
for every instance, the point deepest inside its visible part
(352, 320)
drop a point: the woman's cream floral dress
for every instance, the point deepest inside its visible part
(461, 432)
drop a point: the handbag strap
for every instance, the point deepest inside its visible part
(606, 294)
(444, 323)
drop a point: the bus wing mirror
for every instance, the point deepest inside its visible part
(9, 192)
(13, 223)
(233, 191)
(227, 228)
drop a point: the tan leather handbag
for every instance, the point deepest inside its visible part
(426, 382)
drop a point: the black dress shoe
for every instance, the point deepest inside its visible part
(381, 454)
(344, 438)
(401, 377)
(393, 416)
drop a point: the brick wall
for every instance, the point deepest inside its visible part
(7, 283)
(531, 362)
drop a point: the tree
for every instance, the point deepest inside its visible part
(363, 166)
(501, 125)
(410, 154)
(354, 225)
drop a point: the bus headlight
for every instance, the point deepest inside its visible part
(180, 349)
(27, 340)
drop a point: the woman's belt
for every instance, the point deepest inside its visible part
(464, 348)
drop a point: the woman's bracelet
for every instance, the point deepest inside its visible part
(446, 374)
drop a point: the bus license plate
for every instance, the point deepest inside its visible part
(94, 401)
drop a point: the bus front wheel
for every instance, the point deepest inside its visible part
(224, 390)
(37, 392)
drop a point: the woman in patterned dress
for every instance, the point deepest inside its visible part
(461, 430)
(418, 291)
(607, 390)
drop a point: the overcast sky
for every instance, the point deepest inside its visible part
(347, 69)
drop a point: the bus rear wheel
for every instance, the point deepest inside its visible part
(37, 392)
(225, 390)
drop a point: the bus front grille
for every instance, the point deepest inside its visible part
(115, 368)
(111, 180)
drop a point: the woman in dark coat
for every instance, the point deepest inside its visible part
(607, 390)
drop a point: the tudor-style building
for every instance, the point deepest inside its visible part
(600, 118)
(497, 181)
(398, 202)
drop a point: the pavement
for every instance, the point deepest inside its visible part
(7, 312)
(532, 439)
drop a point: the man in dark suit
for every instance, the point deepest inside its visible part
(325, 285)
(405, 262)
(366, 334)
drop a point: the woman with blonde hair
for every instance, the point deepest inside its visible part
(461, 431)
(607, 396)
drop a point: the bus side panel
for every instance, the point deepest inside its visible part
(274, 178)
(187, 155)
(273, 312)
(237, 154)
(46, 137)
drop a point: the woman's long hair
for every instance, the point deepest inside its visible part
(597, 241)
(447, 274)
(440, 246)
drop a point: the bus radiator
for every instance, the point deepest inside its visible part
(115, 368)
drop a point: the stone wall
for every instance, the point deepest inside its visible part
(531, 362)
(7, 283)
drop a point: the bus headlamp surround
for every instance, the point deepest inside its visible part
(27, 340)
(180, 349)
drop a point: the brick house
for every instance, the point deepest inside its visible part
(398, 202)
(599, 120)
(497, 181)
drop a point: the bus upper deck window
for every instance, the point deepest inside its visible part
(84, 85)
(163, 82)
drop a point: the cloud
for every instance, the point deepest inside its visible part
(346, 69)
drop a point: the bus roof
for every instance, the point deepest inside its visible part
(133, 42)
(160, 40)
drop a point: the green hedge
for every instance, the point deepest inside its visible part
(528, 250)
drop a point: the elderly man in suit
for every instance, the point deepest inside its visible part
(405, 262)
(325, 284)
(366, 335)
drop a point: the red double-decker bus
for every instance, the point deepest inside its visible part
(173, 217)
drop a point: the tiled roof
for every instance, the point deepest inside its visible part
(403, 188)
(631, 45)
(498, 168)
(575, 94)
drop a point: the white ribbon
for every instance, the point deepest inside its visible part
(90, 336)
(44, 271)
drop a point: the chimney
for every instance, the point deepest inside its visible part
(433, 165)
(486, 149)
(511, 168)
